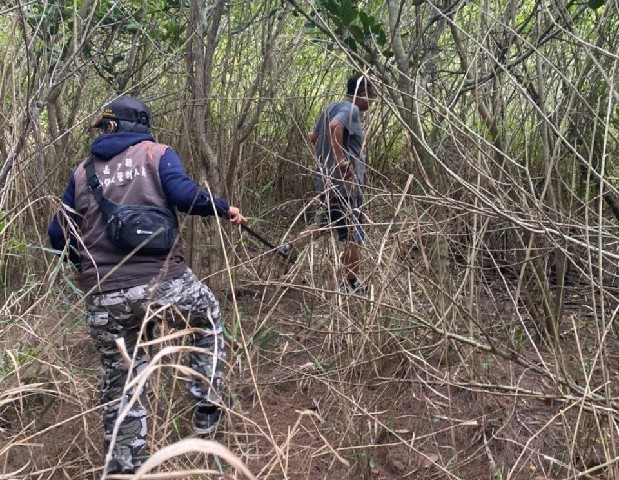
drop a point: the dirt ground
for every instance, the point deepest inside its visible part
(399, 415)
(325, 400)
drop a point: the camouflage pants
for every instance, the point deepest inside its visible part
(119, 314)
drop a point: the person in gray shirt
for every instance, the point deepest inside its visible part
(338, 140)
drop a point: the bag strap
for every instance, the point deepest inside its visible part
(107, 207)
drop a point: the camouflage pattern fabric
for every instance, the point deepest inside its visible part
(119, 314)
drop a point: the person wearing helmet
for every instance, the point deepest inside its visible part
(130, 168)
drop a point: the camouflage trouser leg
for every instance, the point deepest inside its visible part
(110, 317)
(120, 314)
(199, 308)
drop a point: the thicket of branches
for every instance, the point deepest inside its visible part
(491, 216)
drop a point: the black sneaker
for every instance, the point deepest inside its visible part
(287, 251)
(205, 419)
(122, 471)
(352, 285)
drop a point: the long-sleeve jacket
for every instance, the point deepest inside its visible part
(133, 170)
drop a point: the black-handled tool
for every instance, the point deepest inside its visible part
(258, 237)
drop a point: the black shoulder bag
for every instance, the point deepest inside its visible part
(151, 230)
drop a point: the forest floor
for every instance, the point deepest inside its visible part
(331, 386)
(425, 413)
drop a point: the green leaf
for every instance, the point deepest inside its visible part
(370, 58)
(364, 19)
(594, 4)
(356, 32)
(132, 27)
(377, 29)
(53, 250)
(418, 2)
(351, 43)
(348, 13)
(331, 6)
(381, 38)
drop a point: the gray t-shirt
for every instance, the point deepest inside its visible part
(328, 174)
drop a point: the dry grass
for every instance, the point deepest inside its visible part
(419, 379)
(474, 355)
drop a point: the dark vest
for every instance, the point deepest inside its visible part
(129, 178)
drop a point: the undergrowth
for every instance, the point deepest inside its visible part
(423, 376)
